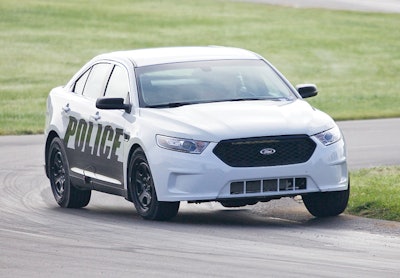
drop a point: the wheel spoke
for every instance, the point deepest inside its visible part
(58, 172)
(143, 182)
(139, 180)
(58, 161)
(145, 198)
(59, 182)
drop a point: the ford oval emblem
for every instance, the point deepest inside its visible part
(267, 151)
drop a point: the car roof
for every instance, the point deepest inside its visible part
(165, 55)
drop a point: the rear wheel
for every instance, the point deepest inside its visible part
(324, 204)
(143, 192)
(64, 192)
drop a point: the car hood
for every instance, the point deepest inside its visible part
(240, 119)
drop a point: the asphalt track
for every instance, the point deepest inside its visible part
(109, 239)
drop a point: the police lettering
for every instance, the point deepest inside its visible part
(94, 140)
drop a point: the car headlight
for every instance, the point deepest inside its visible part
(329, 136)
(181, 144)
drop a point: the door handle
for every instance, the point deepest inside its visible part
(96, 117)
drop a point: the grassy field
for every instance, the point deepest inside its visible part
(354, 58)
(375, 193)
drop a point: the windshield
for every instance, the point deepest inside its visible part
(171, 85)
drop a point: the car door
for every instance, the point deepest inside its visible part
(110, 125)
(82, 131)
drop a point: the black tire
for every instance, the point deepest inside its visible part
(143, 192)
(65, 193)
(327, 204)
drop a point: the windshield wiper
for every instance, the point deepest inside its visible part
(279, 99)
(259, 98)
(178, 104)
(245, 98)
(170, 104)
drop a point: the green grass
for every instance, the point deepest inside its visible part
(354, 58)
(375, 193)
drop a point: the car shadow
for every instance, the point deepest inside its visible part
(277, 214)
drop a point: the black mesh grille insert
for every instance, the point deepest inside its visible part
(265, 151)
(268, 186)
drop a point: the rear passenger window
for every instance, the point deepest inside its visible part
(97, 80)
(118, 86)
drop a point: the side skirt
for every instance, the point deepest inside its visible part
(84, 182)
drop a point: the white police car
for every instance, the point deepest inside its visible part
(164, 125)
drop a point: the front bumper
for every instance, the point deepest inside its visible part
(190, 177)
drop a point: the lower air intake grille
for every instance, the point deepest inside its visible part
(265, 151)
(268, 185)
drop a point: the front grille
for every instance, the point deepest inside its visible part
(265, 151)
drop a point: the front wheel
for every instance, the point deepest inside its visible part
(65, 193)
(324, 204)
(143, 192)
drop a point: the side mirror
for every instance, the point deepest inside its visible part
(113, 104)
(307, 90)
